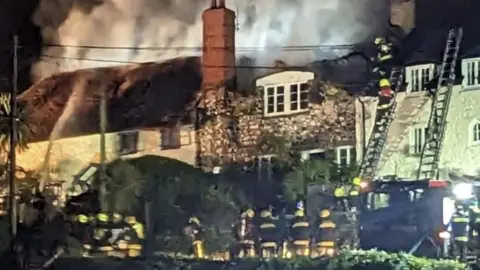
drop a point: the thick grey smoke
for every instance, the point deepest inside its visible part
(177, 23)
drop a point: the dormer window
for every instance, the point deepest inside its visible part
(471, 72)
(418, 77)
(285, 92)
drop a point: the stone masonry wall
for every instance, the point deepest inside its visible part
(237, 134)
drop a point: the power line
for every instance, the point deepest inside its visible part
(331, 47)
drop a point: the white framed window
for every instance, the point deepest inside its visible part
(315, 154)
(418, 76)
(286, 98)
(471, 72)
(474, 132)
(345, 155)
(417, 139)
(265, 167)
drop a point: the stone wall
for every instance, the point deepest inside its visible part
(69, 156)
(239, 131)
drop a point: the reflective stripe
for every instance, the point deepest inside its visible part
(385, 106)
(301, 242)
(460, 220)
(326, 244)
(461, 238)
(247, 242)
(327, 224)
(267, 225)
(269, 244)
(385, 57)
(300, 224)
(354, 193)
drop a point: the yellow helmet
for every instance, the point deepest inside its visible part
(117, 217)
(266, 213)
(384, 83)
(325, 213)
(82, 218)
(339, 192)
(249, 213)
(299, 213)
(194, 220)
(102, 217)
(378, 40)
(130, 219)
(357, 181)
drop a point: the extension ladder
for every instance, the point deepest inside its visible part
(432, 147)
(379, 133)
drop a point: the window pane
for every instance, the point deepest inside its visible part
(304, 105)
(304, 87)
(317, 156)
(270, 101)
(280, 99)
(280, 90)
(294, 106)
(280, 108)
(270, 91)
(293, 88)
(270, 108)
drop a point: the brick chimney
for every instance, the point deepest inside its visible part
(218, 59)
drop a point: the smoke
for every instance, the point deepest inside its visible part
(174, 23)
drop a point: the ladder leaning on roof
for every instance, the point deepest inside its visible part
(379, 133)
(432, 147)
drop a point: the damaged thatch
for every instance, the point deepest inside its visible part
(145, 95)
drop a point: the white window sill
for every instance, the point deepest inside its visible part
(474, 144)
(284, 113)
(471, 87)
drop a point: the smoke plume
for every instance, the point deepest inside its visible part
(177, 23)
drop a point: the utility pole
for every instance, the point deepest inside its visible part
(13, 142)
(103, 158)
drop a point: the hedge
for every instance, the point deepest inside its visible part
(348, 259)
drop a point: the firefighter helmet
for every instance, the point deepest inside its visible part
(299, 213)
(357, 181)
(300, 205)
(379, 40)
(266, 213)
(339, 192)
(117, 217)
(194, 220)
(324, 213)
(130, 220)
(384, 83)
(102, 217)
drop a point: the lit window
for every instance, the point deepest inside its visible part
(345, 155)
(285, 99)
(417, 140)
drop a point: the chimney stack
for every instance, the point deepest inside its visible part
(218, 58)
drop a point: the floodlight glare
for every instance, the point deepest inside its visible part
(463, 191)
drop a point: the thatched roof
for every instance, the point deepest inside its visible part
(142, 95)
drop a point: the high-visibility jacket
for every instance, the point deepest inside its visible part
(268, 231)
(326, 234)
(354, 198)
(460, 222)
(139, 230)
(300, 230)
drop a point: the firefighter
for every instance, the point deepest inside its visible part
(385, 101)
(326, 238)
(101, 234)
(355, 200)
(82, 230)
(460, 231)
(194, 230)
(300, 233)
(340, 198)
(474, 224)
(268, 234)
(135, 246)
(384, 56)
(246, 234)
